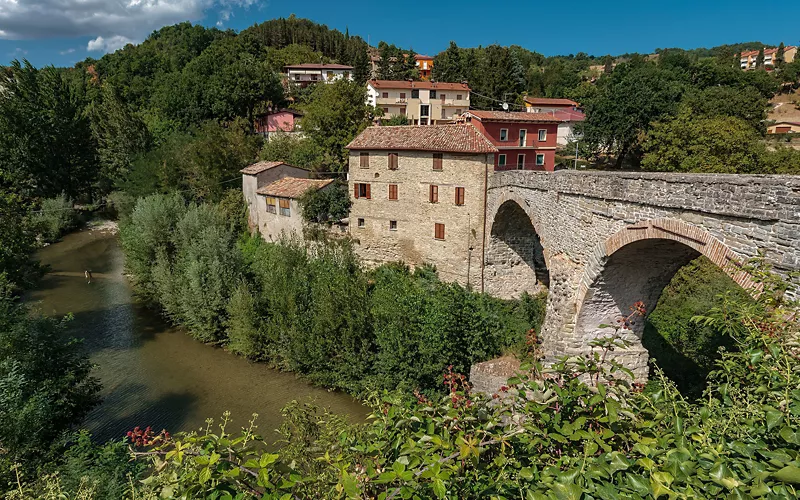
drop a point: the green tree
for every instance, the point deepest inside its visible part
(745, 103)
(326, 205)
(608, 64)
(628, 101)
(300, 152)
(447, 66)
(45, 383)
(760, 58)
(334, 115)
(362, 69)
(395, 120)
(46, 144)
(689, 143)
(780, 56)
(17, 243)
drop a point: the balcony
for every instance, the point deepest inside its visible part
(456, 103)
(401, 100)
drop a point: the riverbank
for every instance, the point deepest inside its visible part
(152, 373)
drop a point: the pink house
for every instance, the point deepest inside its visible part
(284, 120)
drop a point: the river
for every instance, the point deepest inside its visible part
(152, 373)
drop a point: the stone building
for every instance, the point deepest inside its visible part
(419, 195)
(258, 175)
(278, 207)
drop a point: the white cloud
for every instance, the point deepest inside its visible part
(67, 51)
(108, 45)
(104, 20)
(18, 52)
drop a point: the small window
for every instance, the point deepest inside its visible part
(392, 225)
(361, 190)
(433, 194)
(458, 97)
(271, 205)
(403, 111)
(386, 111)
(523, 134)
(361, 223)
(438, 231)
(415, 94)
(392, 191)
(503, 134)
(392, 161)
(458, 111)
(542, 134)
(433, 94)
(540, 159)
(459, 196)
(330, 75)
(501, 161)
(284, 204)
(402, 95)
(520, 162)
(437, 161)
(443, 96)
(385, 95)
(364, 159)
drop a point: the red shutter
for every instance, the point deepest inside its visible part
(355, 190)
(368, 196)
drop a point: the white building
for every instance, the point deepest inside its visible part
(308, 73)
(423, 103)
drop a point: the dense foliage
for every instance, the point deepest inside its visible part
(327, 205)
(311, 310)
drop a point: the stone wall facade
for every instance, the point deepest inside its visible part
(404, 229)
(251, 184)
(611, 239)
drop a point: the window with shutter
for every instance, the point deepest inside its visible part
(271, 205)
(459, 196)
(437, 161)
(438, 231)
(392, 191)
(434, 194)
(356, 189)
(392, 161)
(366, 193)
(385, 95)
(364, 159)
(284, 204)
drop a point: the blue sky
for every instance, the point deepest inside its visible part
(62, 32)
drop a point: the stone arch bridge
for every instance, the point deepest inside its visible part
(600, 241)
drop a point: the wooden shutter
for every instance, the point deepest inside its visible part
(437, 161)
(438, 231)
(392, 191)
(434, 194)
(368, 196)
(392, 161)
(364, 160)
(355, 190)
(459, 196)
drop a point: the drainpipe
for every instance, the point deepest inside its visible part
(485, 201)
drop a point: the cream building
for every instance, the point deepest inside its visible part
(278, 208)
(419, 196)
(423, 103)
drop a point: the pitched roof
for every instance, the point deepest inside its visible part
(292, 187)
(512, 116)
(257, 168)
(546, 101)
(422, 56)
(407, 84)
(569, 115)
(453, 138)
(786, 122)
(766, 51)
(318, 66)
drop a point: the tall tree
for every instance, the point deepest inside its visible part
(608, 64)
(780, 56)
(361, 67)
(447, 65)
(46, 144)
(760, 58)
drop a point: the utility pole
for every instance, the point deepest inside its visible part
(576, 156)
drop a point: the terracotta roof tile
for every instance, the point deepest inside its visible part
(405, 84)
(257, 168)
(292, 187)
(455, 138)
(544, 101)
(318, 66)
(512, 116)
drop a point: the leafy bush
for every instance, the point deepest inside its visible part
(331, 204)
(55, 217)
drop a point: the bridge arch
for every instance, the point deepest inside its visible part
(635, 264)
(515, 259)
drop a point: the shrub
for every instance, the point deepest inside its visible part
(331, 204)
(54, 218)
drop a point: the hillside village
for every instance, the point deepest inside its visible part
(288, 262)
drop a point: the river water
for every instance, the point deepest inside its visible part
(152, 373)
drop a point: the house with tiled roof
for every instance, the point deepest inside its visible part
(422, 103)
(547, 104)
(419, 195)
(279, 211)
(308, 73)
(257, 176)
(749, 59)
(784, 127)
(525, 141)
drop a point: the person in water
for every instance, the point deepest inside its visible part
(88, 275)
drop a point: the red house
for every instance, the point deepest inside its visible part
(283, 120)
(526, 141)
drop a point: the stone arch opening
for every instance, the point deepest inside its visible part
(637, 264)
(515, 259)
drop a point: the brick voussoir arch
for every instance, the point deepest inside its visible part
(668, 229)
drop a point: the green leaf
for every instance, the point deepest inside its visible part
(205, 475)
(439, 489)
(789, 474)
(526, 473)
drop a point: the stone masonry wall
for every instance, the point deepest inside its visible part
(456, 257)
(583, 218)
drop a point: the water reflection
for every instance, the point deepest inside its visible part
(154, 374)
